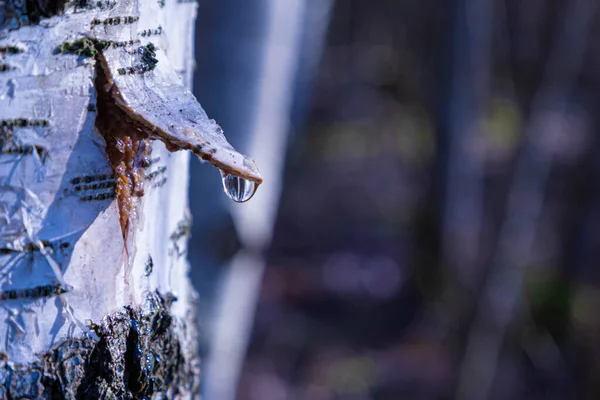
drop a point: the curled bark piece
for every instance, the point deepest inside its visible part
(167, 111)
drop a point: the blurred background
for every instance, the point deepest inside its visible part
(429, 225)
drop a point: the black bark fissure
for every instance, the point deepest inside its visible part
(14, 14)
(137, 355)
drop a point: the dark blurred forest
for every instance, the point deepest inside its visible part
(438, 231)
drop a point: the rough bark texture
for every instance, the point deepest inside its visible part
(138, 353)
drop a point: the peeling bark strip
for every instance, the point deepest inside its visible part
(163, 109)
(124, 362)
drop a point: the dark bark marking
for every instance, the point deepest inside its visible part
(35, 292)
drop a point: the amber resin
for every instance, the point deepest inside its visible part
(127, 147)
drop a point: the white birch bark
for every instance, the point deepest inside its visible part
(60, 224)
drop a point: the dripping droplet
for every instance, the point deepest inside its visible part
(238, 189)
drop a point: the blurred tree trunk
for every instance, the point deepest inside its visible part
(257, 90)
(94, 221)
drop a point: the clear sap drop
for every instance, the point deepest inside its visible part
(238, 189)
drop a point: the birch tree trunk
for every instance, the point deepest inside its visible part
(94, 290)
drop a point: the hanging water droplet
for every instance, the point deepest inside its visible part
(238, 189)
